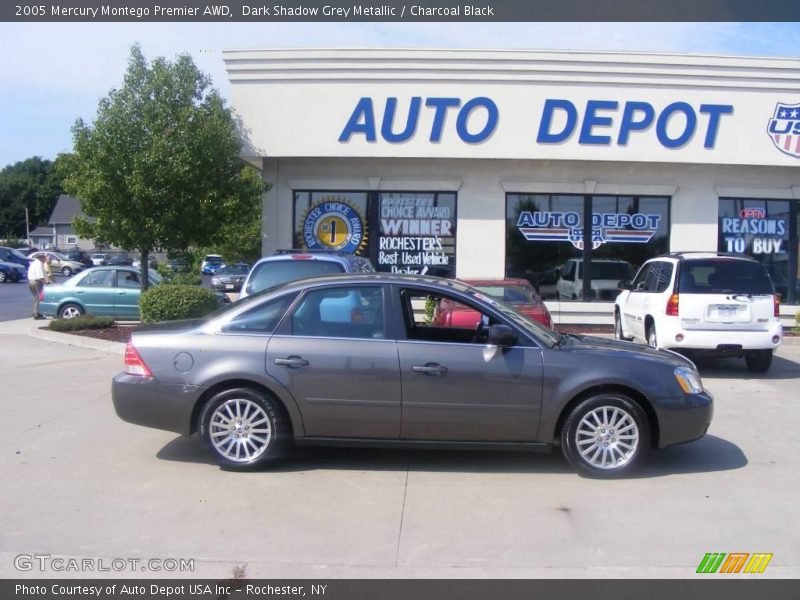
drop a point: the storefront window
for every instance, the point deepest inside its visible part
(767, 231)
(545, 241)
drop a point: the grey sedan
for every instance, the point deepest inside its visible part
(355, 360)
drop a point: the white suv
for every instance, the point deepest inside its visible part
(709, 304)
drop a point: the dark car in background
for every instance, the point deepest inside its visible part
(12, 272)
(79, 256)
(119, 260)
(230, 277)
(347, 360)
(12, 255)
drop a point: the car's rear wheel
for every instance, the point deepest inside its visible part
(244, 429)
(618, 333)
(758, 361)
(606, 436)
(70, 311)
(66, 272)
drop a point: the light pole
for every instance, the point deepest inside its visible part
(27, 228)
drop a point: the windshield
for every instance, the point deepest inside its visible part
(531, 326)
(513, 294)
(724, 276)
(234, 270)
(272, 273)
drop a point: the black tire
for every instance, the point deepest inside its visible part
(574, 437)
(618, 333)
(3, 277)
(758, 361)
(240, 440)
(66, 272)
(68, 310)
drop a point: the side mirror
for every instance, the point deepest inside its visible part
(502, 336)
(625, 284)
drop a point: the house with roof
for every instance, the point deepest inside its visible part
(62, 232)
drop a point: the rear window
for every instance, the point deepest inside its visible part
(513, 294)
(721, 276)
(272, 273)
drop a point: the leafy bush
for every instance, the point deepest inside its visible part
(78, 323)
(175, 302)
(183, 279)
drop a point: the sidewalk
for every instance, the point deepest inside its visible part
(33, 328)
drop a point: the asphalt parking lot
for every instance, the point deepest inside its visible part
(80, 483)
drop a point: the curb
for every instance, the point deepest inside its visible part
(79, 341)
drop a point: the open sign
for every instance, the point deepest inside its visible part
(752, 213)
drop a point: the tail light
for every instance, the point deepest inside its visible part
(672, 306)
(776, 305)
(134, 365)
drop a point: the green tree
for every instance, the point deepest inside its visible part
(159, 166)
(33, 184)
(239, 236)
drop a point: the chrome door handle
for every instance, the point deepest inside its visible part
(293, 362)
(430, 369)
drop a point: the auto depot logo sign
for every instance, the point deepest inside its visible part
(547, 226)
(784, 128)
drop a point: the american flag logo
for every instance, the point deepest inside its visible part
(784, 128)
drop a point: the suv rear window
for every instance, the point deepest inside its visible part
(724, 276)
(276, 272)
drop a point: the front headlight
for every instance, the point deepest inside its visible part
(689, 380)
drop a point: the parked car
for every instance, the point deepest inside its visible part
(14, 256)
(516, 292)
(27, 250)
(120, 260)
(291, 265)
(178, 265)
(12, 272)
(99, 259)
(79, 256)
(230, 277)
(378, 374)
(151, 261)
(211, 263)
(60, 263)
(100, 291)
(706, 303)
(605, 275)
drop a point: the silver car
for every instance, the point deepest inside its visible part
(357, 360)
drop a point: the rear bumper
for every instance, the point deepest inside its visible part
(145, 401)
(684, 418)
(696, 339)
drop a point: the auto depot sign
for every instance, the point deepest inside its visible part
(509, 105)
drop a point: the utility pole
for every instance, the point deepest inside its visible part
(27, 228)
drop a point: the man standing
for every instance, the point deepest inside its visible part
(36, 278)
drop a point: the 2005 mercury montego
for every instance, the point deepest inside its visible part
(357, 360)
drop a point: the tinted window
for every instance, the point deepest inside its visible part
(663, 277)
(639, 284)
(272, 273)
(128, 279)
(724, 276)
(98, 279)
(261, 319)
(348, 312)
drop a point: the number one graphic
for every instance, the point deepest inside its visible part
(333, 232)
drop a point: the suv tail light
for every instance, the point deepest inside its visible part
(776, 305)
(134, 365)
(672, 306)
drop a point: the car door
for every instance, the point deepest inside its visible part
(335, 356)
(96, 292)
(633, 310)
(455, 387)
(128, 289)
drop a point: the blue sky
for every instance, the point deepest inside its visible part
(53, 73)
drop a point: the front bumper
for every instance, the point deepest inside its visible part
(145, 401)
(684, 418)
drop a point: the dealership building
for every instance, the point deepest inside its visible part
(539, 165)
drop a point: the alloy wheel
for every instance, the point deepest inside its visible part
(607, 437)
(240, 430)
(70, 312)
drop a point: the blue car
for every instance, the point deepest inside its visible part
(12, 255)
(11, 272)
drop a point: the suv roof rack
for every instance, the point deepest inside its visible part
(706, 252)
(311, 251)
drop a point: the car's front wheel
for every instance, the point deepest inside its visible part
(244, 429)
(758, 361)
(66, 272)
(70, 311)
(606, 436)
